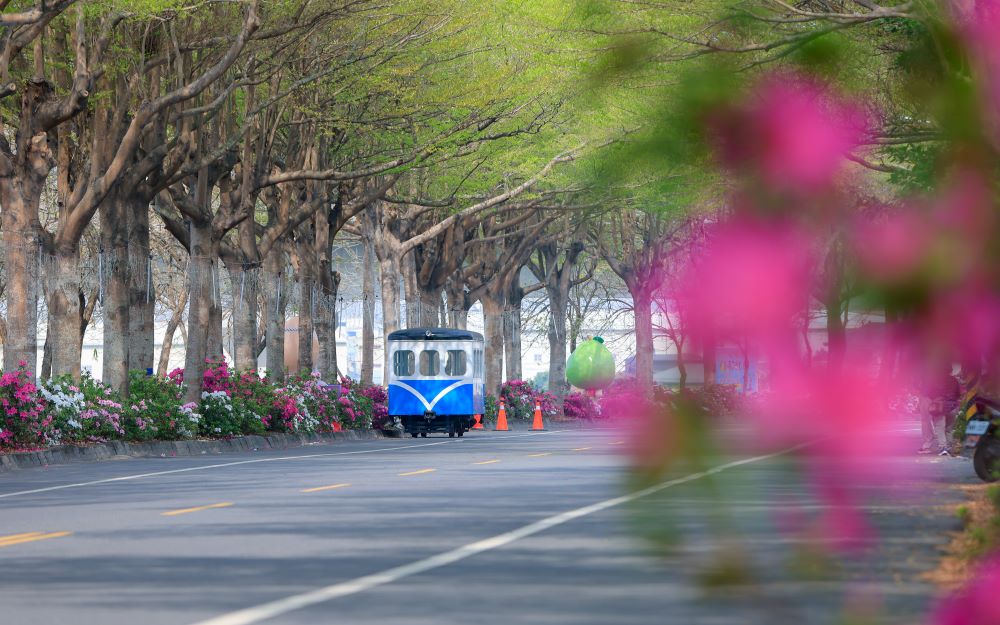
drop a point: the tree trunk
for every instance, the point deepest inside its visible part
(368, 313)
(708, 356)
(389, 268)
(836, 337)
(64, 334)
(202, 281)
(168, 338)
(642, 305)
(142, 298)
(557, 344)
(326, 325)
(307, 308)
(430, 308)
(115, 270)
(493, 330)
(20, 256)
(244, 315)
(681, 366)
(275, 299)
(512, 334)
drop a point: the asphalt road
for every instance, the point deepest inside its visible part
(496, 527)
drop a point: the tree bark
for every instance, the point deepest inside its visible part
(275, 299)
(202, 280)
(326, 325)
(142, 298)
(512, 333)
(642, 305)
(307, 308)
(389, 268)
(557, 344)
(20, 256)
(168, 338)
(368, 312)
(64, 334)
(493, 331)
(244, 315)
(115, 270)
(836, 336)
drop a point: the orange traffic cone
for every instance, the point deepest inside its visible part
(537, 424)
(501, 419)
(479, 422)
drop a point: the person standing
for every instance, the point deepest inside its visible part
(940, 398)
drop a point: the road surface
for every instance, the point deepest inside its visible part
(515, 527)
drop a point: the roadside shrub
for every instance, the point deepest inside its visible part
(581, 406)
(716, 400)
(25, 422)
(519, 398)
(380, 406)
(154, 409)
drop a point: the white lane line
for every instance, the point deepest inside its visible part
(126, 478)
(272, 609)
(139, 476)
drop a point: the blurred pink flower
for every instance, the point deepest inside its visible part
(796, 133)
(964, 322)
(980, 22)
(752, 279)
(976, 603)
(891, 248)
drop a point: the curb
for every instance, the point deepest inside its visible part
(66, 454)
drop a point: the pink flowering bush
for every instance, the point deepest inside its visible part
(581, 406)
(520, 396)
(976, 603)
(24, 422)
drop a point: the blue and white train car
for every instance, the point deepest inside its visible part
(435, 379)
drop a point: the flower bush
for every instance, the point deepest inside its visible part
(25, 422)
(520, 396)
(581, 406)
(233, 403)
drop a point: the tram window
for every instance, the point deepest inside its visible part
(430, 362)
(402, 363)
(455, 365)
(477, 363)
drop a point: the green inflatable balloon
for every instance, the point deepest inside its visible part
(591, 366)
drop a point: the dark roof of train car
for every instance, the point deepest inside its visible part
(435, 334)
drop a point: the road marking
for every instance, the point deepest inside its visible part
(322, 488)
(139, 476)
(272, 609)
(582, 449)
(548, 453)
(29, 537)
(617, 443)
(487, 462)
(211, 506)
(420, 472)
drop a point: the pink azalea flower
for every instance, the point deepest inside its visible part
(795, 133)
(976, 603)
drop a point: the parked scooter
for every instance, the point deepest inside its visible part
(982, 434)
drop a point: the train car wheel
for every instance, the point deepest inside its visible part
(423, 434)
(414, 434)
(451, 435)
(461, 433)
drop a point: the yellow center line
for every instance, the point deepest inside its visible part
(322, 488)
(224, 504)
(581, 449)
(548, 453)
(29, 537)
(4, 539)
(487, 462)
(417, 472)
(617, 443)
